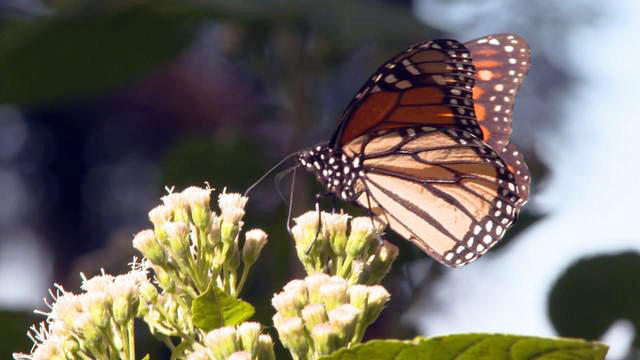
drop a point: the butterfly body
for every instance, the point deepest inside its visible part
(424, 145)
(338, 172)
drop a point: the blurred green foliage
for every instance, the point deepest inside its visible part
(88, 48)
(14, 332)
(594, 292)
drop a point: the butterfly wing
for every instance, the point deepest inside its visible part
(429, 84)
(443, 189)
(502, 62)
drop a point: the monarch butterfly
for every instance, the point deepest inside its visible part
(424, 145)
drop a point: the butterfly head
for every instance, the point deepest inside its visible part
(335, 170)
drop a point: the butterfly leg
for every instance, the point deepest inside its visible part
(373, 224)
(318, 197)
(315, 238)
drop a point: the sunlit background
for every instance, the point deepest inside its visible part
(103, 103)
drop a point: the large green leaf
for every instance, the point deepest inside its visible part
(474, 346)
(214, 309)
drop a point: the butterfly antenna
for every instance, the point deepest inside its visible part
(269, 172)
(278, 179)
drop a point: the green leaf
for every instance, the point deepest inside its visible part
(474, 346)
(234, 311)
(206, 310)
(214, 309)
(147, 357)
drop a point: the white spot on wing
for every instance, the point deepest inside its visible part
(487, 239)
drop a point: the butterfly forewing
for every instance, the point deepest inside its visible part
(443, 189)
(428, 84)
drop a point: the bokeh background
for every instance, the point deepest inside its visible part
(104, 103)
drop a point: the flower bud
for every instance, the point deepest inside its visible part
(361, 234)
(313, 315)
(198, 200)
(159, 216)
(98, 305)
(292, 335)
(59, 329)
(97, 283)
(286, 304)
(66, 308)
(148, 292)
(231, 200)
(325, 339)
(169, 306)
(298, 290)
(254, 242)
(178, 235)
(164, 279)
(145, 242)
(213, 238)
(222, 342)
(124, 301)
(358, 296)
(278, 319)
(265, 348)
(336, 225)
(378, 298)
(344, 319)
(302, 245)
(86, 329)
(313, 241)
(333, 294)
(230, 224)
(294, 285)
(381, 263)
(248, 333)
(313, 283)
(177, 203)
(52, 349)
(357, 272)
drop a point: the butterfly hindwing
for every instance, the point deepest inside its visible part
(443, 189)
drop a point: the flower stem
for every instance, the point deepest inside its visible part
(243, 278)
(345, 266)
(125, 341)
(132, 342)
